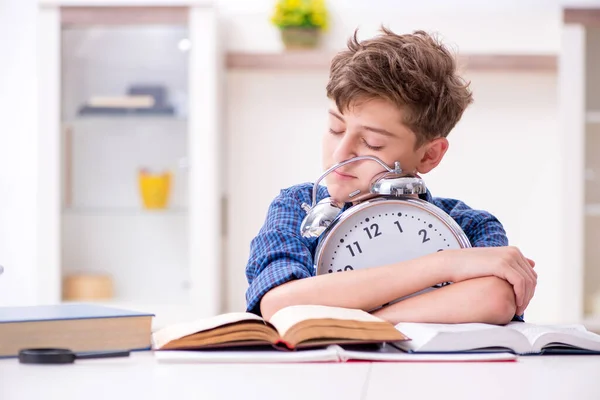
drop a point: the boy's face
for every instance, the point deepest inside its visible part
(372, 128)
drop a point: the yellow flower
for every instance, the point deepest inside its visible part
(318, 19)
(300, 13)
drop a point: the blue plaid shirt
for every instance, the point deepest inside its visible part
(279, 253)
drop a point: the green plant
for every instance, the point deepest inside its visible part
(300, 14)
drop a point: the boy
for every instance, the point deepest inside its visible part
(396, 97)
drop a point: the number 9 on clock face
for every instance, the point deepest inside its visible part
(385, 231)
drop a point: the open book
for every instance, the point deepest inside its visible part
(290, 328)
(517, 337)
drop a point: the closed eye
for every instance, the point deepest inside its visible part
(335, 132)
(375, 148)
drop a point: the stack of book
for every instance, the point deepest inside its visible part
(294, 334)
(77, 327)
(318, 333)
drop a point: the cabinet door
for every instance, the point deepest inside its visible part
(591, 144)
(139, 155)
(139, 172)
(124, 108)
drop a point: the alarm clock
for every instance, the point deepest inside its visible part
(389, 224)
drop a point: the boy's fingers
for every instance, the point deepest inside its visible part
(518, 282)
(530, 277)
(520, 310)
(525, 264)
(531, 262)
(528, 284)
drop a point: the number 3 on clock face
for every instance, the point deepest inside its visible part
(385, 231)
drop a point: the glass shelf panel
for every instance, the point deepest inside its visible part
(103, 158)
(124, 107)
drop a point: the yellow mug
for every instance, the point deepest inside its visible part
(154, 188)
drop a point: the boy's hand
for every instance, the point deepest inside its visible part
(507, 263)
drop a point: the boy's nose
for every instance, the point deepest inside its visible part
(344, 150)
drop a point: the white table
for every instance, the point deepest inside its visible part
(141, 377)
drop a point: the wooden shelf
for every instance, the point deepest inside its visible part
(589, 17)
(123, 212)
(127, 3)
(510, 62)
(122, 15)
(592, 117)
(320, 60)
(592, 210)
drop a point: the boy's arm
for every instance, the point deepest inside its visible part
(278, 254)
(484, 230)
(365, 289)
(488, 300)
(280, 269)
(370, 288)
(281, 258)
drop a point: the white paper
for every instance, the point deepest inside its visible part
(332, 353)
(460, 337)
(259, 356)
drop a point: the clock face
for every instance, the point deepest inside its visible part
(386, 231)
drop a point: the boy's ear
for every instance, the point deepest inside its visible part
(432, 154)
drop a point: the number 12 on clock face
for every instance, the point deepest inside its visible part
(386, 232)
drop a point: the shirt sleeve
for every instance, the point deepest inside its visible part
(278, 254)
(482, 228)
(487, 231)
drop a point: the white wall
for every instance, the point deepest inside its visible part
(502, 154)
(506, 151)
(18, 151)
(266, 112)
(530, 26)
(501, 158)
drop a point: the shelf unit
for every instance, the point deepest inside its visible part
(592, 210)
(592, 117)
(579, 87)
(320, 60)
(91, 217)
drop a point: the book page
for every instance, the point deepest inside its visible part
(423, 333)
(390, 353)
(533, 332)
(541, 335)
(250, 356)
(287, 317)
(459, 337)
(177, 331)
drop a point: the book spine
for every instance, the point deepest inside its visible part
(281, 344)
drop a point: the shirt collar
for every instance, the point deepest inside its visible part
(426, 196)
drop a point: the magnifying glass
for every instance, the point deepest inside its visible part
(62, 356)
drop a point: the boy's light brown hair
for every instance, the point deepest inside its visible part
(413, 71)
